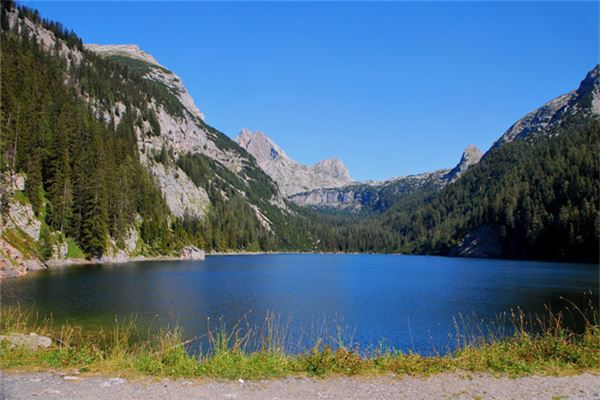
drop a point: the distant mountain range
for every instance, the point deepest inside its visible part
(291, 176)
(328, 185)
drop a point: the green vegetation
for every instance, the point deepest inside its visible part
(73, 250)
(540, 196)
(83, 178)
(20, 241)
(139, 66)
(126, 350)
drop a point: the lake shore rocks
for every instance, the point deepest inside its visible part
(192, 253)
(32, 341)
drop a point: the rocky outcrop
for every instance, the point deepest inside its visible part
(192, 253)
(181, 194)
(584, 101)
(14, 263)
(18, 225)
(291, 176)
(470, 156)
(44, 37)
(156, 72)
(20, 216)
(126, 50)
(32, 341)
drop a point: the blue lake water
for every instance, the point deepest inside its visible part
(409, 302)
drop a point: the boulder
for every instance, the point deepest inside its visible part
(32, 341)
(192, 253)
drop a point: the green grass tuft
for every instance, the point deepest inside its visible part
(126, 350)
(73, 249)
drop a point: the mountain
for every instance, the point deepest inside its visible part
(327, 185)
(105, 155)
(291, 176)
(470, 157)
(580, 103)
(533, 195)
(115, 158)
(379, 196)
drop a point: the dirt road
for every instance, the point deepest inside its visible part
(443, 386)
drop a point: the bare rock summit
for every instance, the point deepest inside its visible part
(291, 176)
(470, 156)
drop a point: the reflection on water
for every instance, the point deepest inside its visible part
(410, 301)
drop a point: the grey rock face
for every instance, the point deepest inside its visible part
(181, 195)
(21, 216)
(192, 253)
(470, 156)
(31, 341)
(291, 176)
(127, 50)
(584, 101)
(373, 196)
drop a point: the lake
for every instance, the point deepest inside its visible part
(411, 303)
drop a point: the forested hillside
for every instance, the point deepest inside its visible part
(84, 178)
(539, 197)
(88, 177)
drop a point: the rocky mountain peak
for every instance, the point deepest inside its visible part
(591, 85)
(259, 145)
(291, 176)
(158, 74)
(335, 167)
(470, 156)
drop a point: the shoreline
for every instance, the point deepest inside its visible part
(61, 263)
(67, 262)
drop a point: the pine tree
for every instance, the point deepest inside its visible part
(33, 184)
(60, 188)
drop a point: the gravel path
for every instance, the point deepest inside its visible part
(444, 386)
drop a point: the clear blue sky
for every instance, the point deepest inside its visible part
(390, 88)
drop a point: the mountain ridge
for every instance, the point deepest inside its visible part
(380, 195)
(291, 176)
(581, 102)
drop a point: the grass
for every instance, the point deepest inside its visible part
(21, 197)
(123, 349)
(73, 249)
(22, 242)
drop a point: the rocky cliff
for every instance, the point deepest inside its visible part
(291, 176)
(182, 132)
(470, 156)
